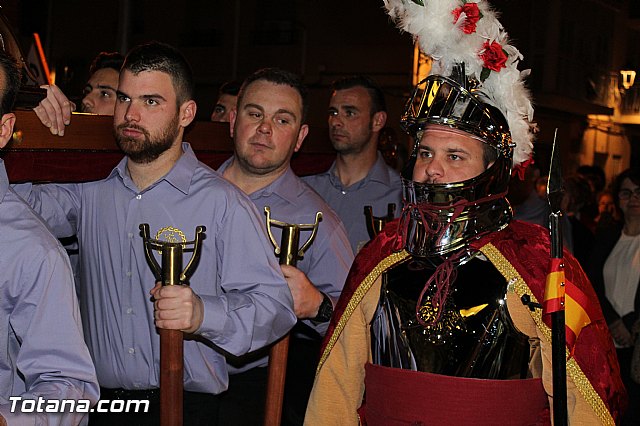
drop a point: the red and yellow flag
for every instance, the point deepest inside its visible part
(554, 289)
(560, 294)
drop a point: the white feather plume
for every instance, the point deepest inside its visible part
(439, 37)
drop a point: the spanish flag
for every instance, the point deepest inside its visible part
(560, 294)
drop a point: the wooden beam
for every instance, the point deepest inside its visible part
(88, 150)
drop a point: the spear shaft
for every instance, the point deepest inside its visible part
(555, 192)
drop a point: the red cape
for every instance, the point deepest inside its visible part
(526, 247)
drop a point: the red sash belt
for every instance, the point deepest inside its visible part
(401, 397)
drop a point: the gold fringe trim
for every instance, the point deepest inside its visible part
(573, 369)
(357, 297)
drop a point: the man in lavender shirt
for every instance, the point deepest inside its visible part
(267, 127)
(359, 177)
(238, 300)
(43, 356)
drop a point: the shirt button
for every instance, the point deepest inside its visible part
(132, 351)
(130, 235)
(138, 197)
(128, 273)
(129, 310)
(344, 192)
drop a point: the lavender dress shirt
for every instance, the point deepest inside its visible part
(381, 187)
(247, 303)
(327, 261)
(42, 351)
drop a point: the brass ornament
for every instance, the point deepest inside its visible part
(171, 235)
(448, 326)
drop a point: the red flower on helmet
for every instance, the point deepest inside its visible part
(493, 56)
(472, 14)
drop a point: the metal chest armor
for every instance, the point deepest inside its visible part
(474, 336)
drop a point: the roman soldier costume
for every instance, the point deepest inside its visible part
(440, 319)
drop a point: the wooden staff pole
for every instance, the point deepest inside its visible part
(279, 352)
(171, 347)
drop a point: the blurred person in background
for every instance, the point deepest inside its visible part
(597, 180)
(359, 176)
(227, 99)
(99, 94)
(614, 270)
(576, 196)
(607, 209)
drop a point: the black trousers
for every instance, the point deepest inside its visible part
(632, 416)
(304, 355)
(243, 403)
(198, 408)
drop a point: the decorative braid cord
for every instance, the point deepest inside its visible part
(357, 297)
(574, 371)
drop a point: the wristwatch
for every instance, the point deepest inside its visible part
(324, 311)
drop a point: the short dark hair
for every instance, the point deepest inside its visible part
(229, 88)
(378, 102)
(113, 60)
(156, 56)
(280, 77)
(10, 80)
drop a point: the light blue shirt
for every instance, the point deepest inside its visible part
(42, 352)
(327, 261)
(381, 187)
(247, 303)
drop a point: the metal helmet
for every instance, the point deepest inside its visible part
(446, 217)
(474, 87)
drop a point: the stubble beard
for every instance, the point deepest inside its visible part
(349, 146)
(149, 149)
(265, 168)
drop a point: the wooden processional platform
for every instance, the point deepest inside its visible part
(88, 150)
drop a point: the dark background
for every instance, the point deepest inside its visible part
(575, 49)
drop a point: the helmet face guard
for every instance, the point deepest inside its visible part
(440, 218)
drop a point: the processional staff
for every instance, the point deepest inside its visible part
(554, 297)
(375, 224)
(288, 252)
(171, 341)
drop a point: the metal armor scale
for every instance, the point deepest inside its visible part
(474, 337)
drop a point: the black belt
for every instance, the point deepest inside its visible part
(128, 394)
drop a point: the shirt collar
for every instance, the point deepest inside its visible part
(179, 176)
(284, 186)
(224, 165)
(380, 172)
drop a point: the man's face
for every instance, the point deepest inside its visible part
(223, 107)
(100, 92)
(448, 156)
(351, 125)
(267, 127)
(147, 119)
